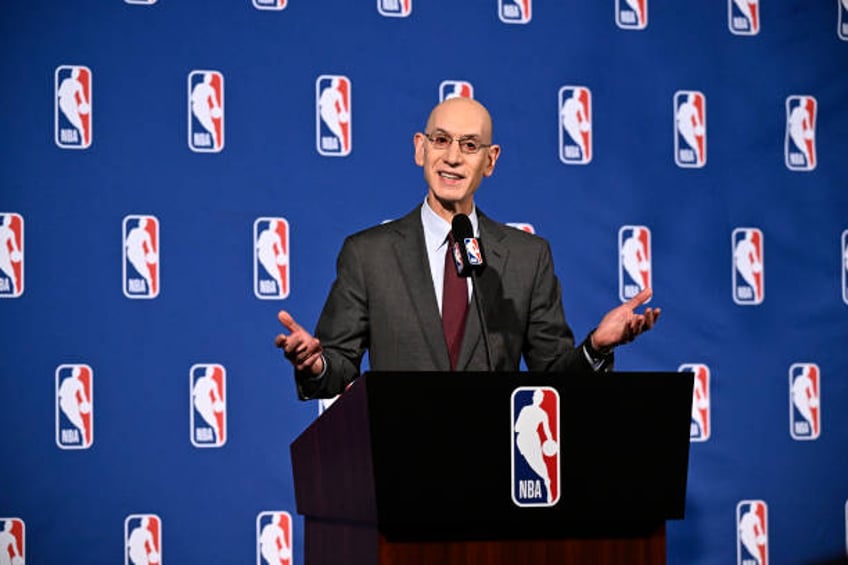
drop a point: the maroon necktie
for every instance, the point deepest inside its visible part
(454, 305)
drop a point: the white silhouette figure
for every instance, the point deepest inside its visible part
(690, 125)
(73, 400)
(528, 441)
(140, 251)
(752, 532)
(636, 6)
(747, 7)
(270, 251)
(575, 121)
(801, 130)
(72, 101)
(804, 396)
(747, 261)
(206, 107)
(331, 105)
(634, 258)
(700, 402)
(9, 251)
(141, 545)
(272, 542)
(9, 551)
(208, 401)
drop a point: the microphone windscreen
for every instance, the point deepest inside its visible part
(461, 227)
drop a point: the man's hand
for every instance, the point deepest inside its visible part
(301, 348)
(622, 324)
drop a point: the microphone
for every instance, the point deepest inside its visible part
(469, 259)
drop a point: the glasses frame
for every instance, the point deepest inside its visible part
(458, 140)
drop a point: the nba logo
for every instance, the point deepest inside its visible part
(842, 32)
(522, 226)
(743, 17)
(455, 89)
(751, 533)
(514, 11)
(74, 108)
(748, 266)
(334, 116)
(804, 401)
(205, 111)
(699, 429)
(142, 539)
(575, 125)
(844, 269)
(208, 409)
(11, 255)
(270, 4)
(634, 261)
(632, 16)
(14, 541)
(271, 258)
(74, 406)
(472, 248)
(141, 257)
(800, 133)
(274, 538)
(690, 129)
(394, 8)
(535, 446)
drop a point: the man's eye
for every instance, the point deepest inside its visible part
(470, 146)
(441, 140)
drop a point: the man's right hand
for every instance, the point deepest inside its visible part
(301, 348)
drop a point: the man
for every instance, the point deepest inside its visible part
(388, 293)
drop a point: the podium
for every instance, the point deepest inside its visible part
(418, 468)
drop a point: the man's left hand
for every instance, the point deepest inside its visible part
(622, 324)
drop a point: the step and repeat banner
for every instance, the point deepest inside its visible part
(175, 173)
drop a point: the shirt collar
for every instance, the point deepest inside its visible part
(436, 228)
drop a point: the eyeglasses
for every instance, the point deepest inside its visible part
(467, 145)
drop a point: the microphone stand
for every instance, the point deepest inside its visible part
(483, 327)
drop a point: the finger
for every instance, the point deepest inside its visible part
(280, 341)
(287, 320)
(643, 296)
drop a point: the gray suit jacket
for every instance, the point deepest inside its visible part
(383, 301)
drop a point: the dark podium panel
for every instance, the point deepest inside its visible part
(417, 468)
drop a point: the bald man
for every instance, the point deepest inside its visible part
(388, 294)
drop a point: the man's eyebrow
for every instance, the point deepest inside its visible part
(466, 136)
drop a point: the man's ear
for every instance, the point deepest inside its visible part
(493, 153)
(419, 140)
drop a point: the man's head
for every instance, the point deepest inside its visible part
(452, 173)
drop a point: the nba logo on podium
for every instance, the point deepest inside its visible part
(633, 15)
(804, 401)
(274, 538)
(208, 382)
(455, 89)
(515, 11)
(751, 533)
(11, 255)
(575, 125)
(748, 266)
(74, 108)
(700, 426)
(270, 4)
(743, 17)
(205, 111)
(535, 446)
(634, 261)
(271, 258)
(141, 256)
(333, 116)
(143, 539)
(690, 129)
(801, 133)
(13, 531)
(394, 8)
(74, 406)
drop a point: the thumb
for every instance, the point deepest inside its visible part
(643, 296)
(287, 320)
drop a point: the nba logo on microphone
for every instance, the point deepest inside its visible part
(751, 533)
(270, 4)
(13, 531)
(699, 429)
(11, 255)
(515, 11)
(394, 8)
(333, 116)
(141, 256)
(455, 89)
(143, 539)
(631, 14)
(274, 538)
(271, 258)
(208, 383)
(844, 268)
(575, 125)
(801, 133)
(748, 266)
(74, 108)
(690, 129)
(472, 249)
(205, 111)
(634, 261)
(743, 17)
(535, 446)
(804, 401)
(74, 406)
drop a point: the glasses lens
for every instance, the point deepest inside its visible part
(440, 141)
(469, 146)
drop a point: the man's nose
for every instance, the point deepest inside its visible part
(452, 154)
